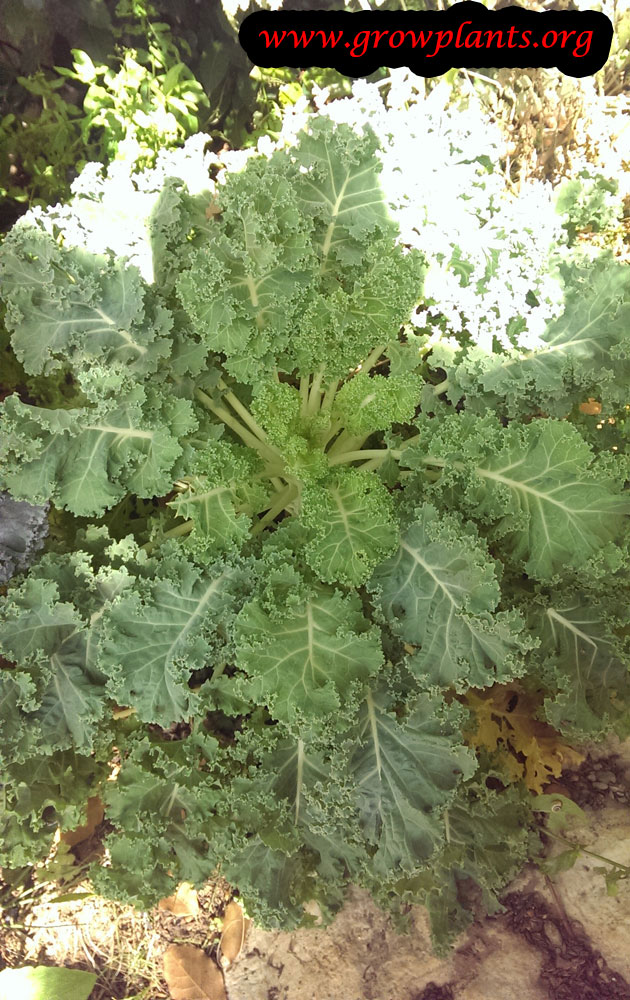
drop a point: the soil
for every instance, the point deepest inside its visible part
(536, 950)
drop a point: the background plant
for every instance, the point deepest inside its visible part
(134, 79)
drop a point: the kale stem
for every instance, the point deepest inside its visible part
(347, 442)
(332, 432)
(375, 463)
(218, 670)
(441, 387)
(288, 494)
(584, 850)
(329, 395)
(243, 412)
(372, 358)
(269, 472)
(314, 399)
(304, 394)
(176, 532)
(264, 450)
(377, 455)
(179, 529)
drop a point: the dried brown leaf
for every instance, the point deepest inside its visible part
(95, 813)
(591, 407)
(183, 903)
(191, 975)
(506, 724)
(235, 928)
(213, 209)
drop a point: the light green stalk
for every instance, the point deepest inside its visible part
(314, 399)
(282, 502)
(266, 451)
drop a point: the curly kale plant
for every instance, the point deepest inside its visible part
(283, 547)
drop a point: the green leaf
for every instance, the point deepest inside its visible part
(87, 459)
(612, 881)
(547, 504)
(46, 791)
(352, 526)
(305, 662)
(489, 837)
(270, 883)
(406, 772)
(583, 660)
(366, 404)
(242, 288)
(561, 862)
(440, 592)
(44, 982)
(344, 318)
(85, 68)
(211, 509)
(339, 187)
(70, 897)
(49, 639)
(214, 499)
(309, 773)
(299, 270)
(584, 351)
(70, 307)
(563, 813)
(154, 638)
(49, 626)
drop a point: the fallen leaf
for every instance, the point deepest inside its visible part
(95, 813)
(183, 903)
(191, 975)
(71, 897)
(314, 910)
(235, 928)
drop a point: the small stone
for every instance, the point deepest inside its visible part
(602, 786)
(608, 776)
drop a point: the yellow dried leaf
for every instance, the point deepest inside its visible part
(506, 724)
(191, 975)
(591, 407)
(546, 755)
(183, 903)
(235, 928)
(488, 731)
